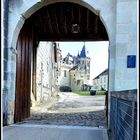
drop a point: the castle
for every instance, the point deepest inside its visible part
(75, 71)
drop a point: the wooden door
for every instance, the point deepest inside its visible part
(23, 74)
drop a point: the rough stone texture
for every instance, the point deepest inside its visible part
(95, 119)
(46, 72)
(129, 95)
(4, 55)
(126, 32)
(70, 109)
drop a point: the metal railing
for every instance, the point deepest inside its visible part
(123, 118)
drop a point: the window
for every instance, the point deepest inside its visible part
(104, 79)
(88, 77)
(78, 82)
(55, 52)
(65, 73)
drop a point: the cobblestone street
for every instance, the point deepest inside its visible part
(71, 109)
(96, 119)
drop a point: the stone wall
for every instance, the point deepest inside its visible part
(119, 18)
(101, 82)
(9, 57)
(46, 72)
(4, 61)
(65, 81)
(126, 44)
(43, 78)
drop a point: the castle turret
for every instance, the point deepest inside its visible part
(79, 72)
(83, 52)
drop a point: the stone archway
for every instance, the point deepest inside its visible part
(105, 19)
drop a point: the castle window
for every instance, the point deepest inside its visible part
(65, 73)
(101, 80)
(78, 82)
(88, 77)
(104, 79)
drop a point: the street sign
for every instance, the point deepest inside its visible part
(131, 61)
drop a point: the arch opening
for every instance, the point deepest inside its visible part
(55, 22)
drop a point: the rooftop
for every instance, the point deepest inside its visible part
(105, 72)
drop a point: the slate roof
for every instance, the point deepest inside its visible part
(105, 72)
(83, 52)
(75, 67)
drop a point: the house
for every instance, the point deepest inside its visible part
(75, 71)
(101, 80)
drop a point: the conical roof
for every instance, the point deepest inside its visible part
(83, 52)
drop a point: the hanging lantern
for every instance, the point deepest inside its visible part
(75, 28)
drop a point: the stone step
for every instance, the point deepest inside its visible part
(53, 132)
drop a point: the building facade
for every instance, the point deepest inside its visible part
(101, 80)
(75, 71)
(65, 75)
(47, 70)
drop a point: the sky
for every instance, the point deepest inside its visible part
(97, 51)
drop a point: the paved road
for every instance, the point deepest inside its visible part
(71, 109)
(69, 102)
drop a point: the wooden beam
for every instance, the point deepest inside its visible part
(71, 37)
(88, 26)
(56, 21)
(96, 24)
(72, 16)
(65, 25)
(33, 22)
(62, 17)
(42, 22)
(49, 21)
(79, 14)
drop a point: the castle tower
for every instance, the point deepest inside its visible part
(78, 71)
(80, 74)
(84, 64)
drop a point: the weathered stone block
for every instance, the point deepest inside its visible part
(122, 38)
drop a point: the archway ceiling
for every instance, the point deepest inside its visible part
(54, 23)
